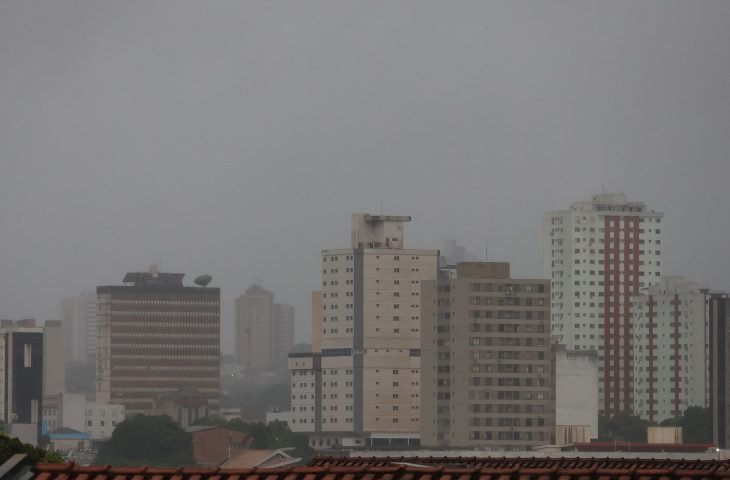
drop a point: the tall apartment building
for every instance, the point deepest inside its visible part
(78, 315)
(264, 330)
(670, 348)
(487, 377)
(362, 388)
(598, 254)
(719, 312)
(156, 337)
(21, 378)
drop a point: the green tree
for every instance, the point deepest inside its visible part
(623, 426)
(696, 423)
(9, 446)
(147, 440)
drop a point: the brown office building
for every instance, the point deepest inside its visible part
(157, 337)
(487, 376)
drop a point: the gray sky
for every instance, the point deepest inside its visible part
(236, 137)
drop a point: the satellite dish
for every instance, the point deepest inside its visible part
(203, 280)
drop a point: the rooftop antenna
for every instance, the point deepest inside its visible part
(486, 250)
(381, 205)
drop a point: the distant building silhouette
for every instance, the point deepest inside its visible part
(78, 315)
(264, 330)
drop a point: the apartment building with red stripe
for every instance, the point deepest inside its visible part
(671, 329)
(598, 254)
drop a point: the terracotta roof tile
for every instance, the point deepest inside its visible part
(417, 468)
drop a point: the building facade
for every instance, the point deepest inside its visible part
(363, 387)
(79, 321)
(488, 376)
(282, 336)
(670, 324)
(576, 393)
(74, 411)
(598, 254)
(156, 337)
(55, 357)
(21, 390)
(719, 312)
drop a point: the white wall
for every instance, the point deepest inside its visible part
(576, 389)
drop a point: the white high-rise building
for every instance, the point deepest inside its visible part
(598, 254)
(671, 348)
(363, 388)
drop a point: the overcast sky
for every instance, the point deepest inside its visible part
(236, 137)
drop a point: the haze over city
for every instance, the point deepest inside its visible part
(236, 138)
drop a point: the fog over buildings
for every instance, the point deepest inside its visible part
(236, 138)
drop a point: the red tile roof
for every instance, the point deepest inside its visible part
(444, 468)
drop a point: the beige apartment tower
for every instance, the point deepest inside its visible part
(488, 377)
(363, 387)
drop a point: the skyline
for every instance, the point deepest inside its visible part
(238, 143)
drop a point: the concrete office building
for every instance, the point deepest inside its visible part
(78, 315)
(21, 386)
(488, 377)
(156, 337)
(363, 388)
(670, 325)
(598, 254)
(719, 313)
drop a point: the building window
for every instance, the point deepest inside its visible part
(27, 355)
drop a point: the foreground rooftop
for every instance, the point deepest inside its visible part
(416, 468)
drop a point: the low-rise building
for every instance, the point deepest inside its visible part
(74, 411)
(576, 394)
(213, 445)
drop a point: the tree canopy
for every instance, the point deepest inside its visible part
(9, 446)
(623, 426)
(147, 440)
(696, 423)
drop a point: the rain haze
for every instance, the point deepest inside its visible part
(236, 138)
